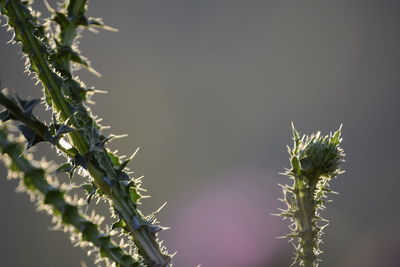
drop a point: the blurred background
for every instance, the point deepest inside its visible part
(207, 90)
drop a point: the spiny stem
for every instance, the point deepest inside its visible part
(38, 127)
(315, 160)
(305, 222)
(34, 179)
(69, 107)
(51, 82)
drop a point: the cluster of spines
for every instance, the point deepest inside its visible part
(50, 60)
(315, 160)
(51, 198)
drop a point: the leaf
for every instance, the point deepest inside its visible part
(133, 194)
(63, 129)
(123, 165)
(122, 175)
(28, 105)
(59, 129)
(90, 189)
(119, 224)
(31, 137)
(114, 159)
(75, 57)
(66, 167)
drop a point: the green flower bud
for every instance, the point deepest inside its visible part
(318, 155)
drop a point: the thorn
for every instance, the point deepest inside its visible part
(159, 209)
(120, 136)
(97, 91)
(139, 179)
(94, 72)
(134, 153)
(295, 132)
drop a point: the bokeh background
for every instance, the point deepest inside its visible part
(207, 90)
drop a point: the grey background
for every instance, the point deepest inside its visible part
(208, 89)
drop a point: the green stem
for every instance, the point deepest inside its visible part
(35, 180)
(40, 129)
(305, 221)
(100, 165)
(315, 160)
(75, 9)
(48, 78)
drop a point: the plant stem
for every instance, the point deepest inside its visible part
(40, 129)
(99, 164)
(315, 160)
(305, 222)
(35, 181)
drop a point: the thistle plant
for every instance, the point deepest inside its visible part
(315, 160)
(50, 48)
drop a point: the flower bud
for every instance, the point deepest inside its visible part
(318, 155)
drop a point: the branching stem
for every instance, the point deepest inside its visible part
(70, 108)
